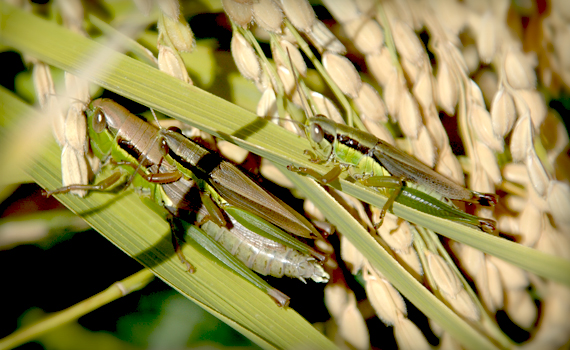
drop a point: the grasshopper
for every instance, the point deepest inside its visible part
(378, 164)
(157, 162)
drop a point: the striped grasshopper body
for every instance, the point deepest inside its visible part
(378, 164)
(265, 255)
(143, 155)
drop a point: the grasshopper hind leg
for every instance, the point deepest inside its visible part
(387, 182)
(175, 229)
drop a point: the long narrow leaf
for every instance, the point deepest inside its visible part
(140, 232)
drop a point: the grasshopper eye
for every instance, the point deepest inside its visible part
(317, 133)
(164, 149)
(99, 121)
(175, 129)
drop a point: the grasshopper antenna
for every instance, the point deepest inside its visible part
(304, 102)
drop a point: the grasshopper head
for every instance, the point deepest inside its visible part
(101, 115)
(321, 133)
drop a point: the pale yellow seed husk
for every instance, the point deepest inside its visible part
(480, 121)
(447, 342)
(494, 285)
(385, 300)
(72, 14)
(370, 104)
(446, 89)
(77, 88)
(245, 58)
(74, 169)
(392, 95)
(313, 211)
(554, 242)
(471, 57)
(380, 66)
(267, 105)
(514, 203)
(352, 327)
(558, 199)
(241, 14)
(456, 58)
(343, 73)
(486, 37)
(503, 112)
(508, 224)
(265, 82)
(436, 328)
(409, 116)
(464, 306)
(143, 6)
(512, 277)
(395, 232)
(472, 260)
(180, 34)
(422, 89)
(536, 104)
(300, 13)
(234, 153)
(520, 74)
(561, 7)
(76, 129)
(270, 172)
(296, 58)
(520, 308)
(365, 34)
(521, 138)
(268, 15)
(475, 94)
(336, 297)
(449, 166)
(537, 174)
(366, 7)
(170, 7)
(423, 147)
(170, 62)
(435, 128)
(324, 40)
(452, 15)
(351, 256)
(326, 107)
(515, 173)
(481, 281)
(288, 80)
(480, 181)
(489, 162)
(57, 117)
(15, 233)
(407, 42)
(412, 69)
(43, 83)
(488, 81)
(378, 129)
(342, 11)
(411, 262)
(445, 279)
(408, 335)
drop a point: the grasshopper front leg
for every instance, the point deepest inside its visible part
(325, 179)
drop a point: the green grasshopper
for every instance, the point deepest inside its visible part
(144, 157)
(376, 163)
